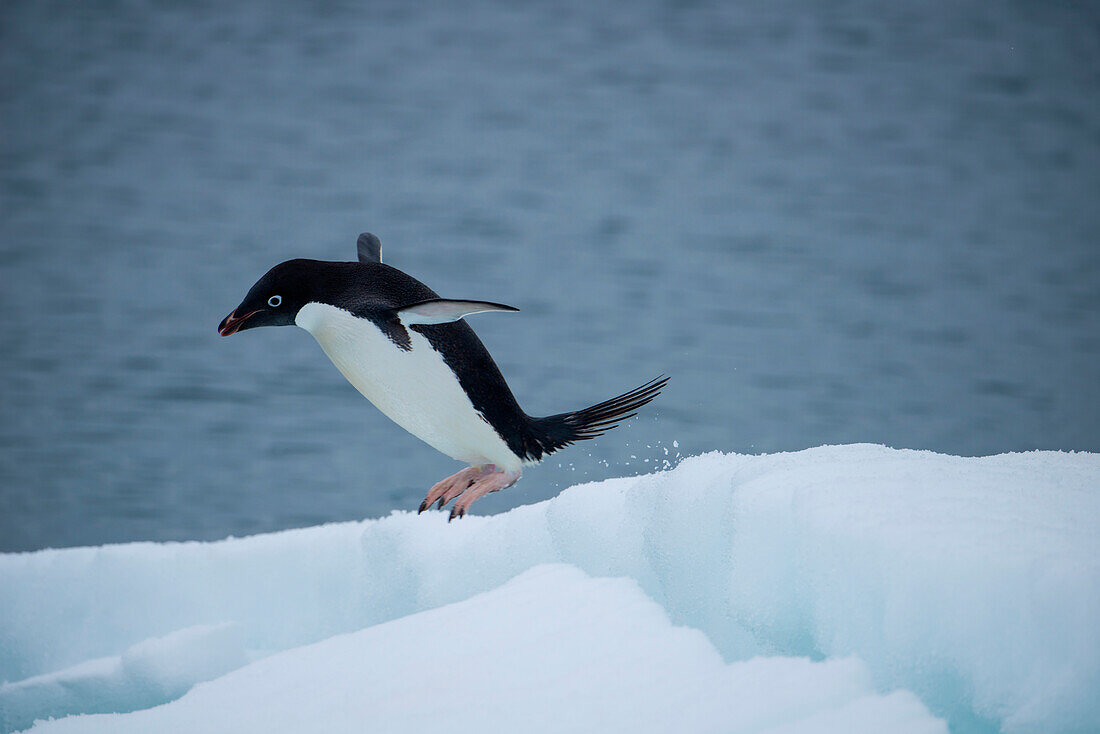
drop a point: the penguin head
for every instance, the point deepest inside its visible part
(276, 298)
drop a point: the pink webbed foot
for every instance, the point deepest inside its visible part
(490, 482)
(447, 489)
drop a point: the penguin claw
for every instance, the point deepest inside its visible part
(455, 485)
(447, 489)
(466, 487)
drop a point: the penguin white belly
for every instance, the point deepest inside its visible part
(415, 389)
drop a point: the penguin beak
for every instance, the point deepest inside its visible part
(232, 323)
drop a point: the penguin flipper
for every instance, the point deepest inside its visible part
(443, 310)
(370, 248)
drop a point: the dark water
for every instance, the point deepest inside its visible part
(829, 222)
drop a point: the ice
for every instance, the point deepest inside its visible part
(973, 583)
(551, 650)
(146, 674)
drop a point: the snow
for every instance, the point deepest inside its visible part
(494, 663)
(148, 673)
(840, 588)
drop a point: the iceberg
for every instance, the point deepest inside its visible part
(146, 674)
(551, 650)
(842, 588)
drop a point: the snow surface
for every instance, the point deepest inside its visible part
(552, 650)
(146, 674)
(973, 583)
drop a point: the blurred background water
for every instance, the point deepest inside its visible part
(828, 221)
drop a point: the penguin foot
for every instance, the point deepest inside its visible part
(447, 489)
(493, 481)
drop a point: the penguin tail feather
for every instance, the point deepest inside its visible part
(555, 432)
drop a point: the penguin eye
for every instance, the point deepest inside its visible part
(274, 301)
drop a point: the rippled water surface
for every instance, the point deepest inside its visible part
(829, 222)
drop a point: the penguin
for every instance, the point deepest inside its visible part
(412, 354)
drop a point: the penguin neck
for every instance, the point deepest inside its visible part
(314, 317)
(349, 341)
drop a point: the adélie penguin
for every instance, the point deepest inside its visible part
(410, 353)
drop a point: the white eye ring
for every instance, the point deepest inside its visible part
(275, 301)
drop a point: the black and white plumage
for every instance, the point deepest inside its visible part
(410, 353)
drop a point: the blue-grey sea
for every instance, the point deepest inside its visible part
(829, 222)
